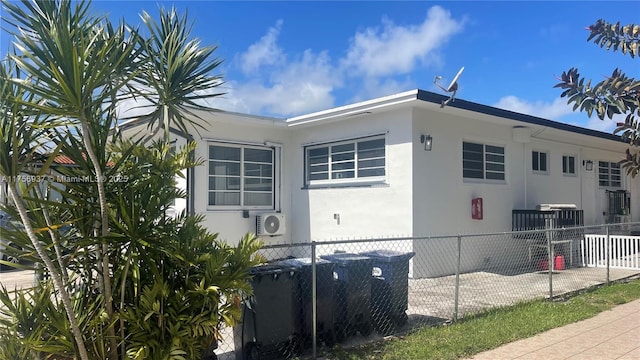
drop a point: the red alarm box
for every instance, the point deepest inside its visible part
(476, 208)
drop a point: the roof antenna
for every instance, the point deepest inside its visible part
(452, 88)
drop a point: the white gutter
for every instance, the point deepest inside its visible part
(343, 112)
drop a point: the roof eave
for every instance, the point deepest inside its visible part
(344, 112)
(507, 114)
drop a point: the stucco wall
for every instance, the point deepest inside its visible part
(230, 224)
(238, 129)
(442, 197)
(379, 210)
(424, 193)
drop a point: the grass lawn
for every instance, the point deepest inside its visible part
(490, 329)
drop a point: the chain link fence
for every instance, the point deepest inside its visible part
(314, 295)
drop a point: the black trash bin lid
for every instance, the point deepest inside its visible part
(345, 258)
(302, 262)
(389, 255)
(271, 269)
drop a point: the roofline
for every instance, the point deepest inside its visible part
(431, 97)
(354, 109)
(255, 119)
(363, 107)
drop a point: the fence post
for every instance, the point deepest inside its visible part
(314, 297)
(457, 288)
(551, 260)
(607, 253)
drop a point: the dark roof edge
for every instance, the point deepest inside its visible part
(490, 110)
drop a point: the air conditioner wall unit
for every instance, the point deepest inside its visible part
(548, 207)
(270, 224)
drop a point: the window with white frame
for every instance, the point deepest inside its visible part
(241, 176)
(346, 161)
(539, 162)
(480, 161)
(609, 174)
(568, 165)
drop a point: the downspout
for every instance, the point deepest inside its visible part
(524, 174)
(582, 174)
(522, 135)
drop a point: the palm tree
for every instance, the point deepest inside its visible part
(176, 76)
(77, 66)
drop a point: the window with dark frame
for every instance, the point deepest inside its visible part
(568, 165)
(346, 160)
(241, 176)
(480, 161)
(609, 174)
(539, 161)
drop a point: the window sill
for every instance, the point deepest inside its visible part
(236, 209)
(483, 181)
(338, 185)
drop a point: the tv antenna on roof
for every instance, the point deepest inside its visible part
(452, 88)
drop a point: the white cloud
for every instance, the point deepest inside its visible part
(303, 85)
(606, 125)
(398, 49)
(374, 87)
(264, 52)
(281, 83)
(554, 110)
(558, 110)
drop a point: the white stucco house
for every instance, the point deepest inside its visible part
(399, 165)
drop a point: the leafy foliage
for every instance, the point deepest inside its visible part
(618, 94)
(624, 38)
(122, 276)
(178, 284)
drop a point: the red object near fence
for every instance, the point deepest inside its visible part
(476, 208)
(558, 263)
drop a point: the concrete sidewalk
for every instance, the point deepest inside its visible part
(613, 334)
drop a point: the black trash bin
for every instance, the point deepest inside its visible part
(352, 294)
(324, 299)
(269, 326)
(389, 289)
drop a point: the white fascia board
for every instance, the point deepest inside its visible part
(344, 112)
(217, 116)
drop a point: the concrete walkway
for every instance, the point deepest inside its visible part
(613, 334)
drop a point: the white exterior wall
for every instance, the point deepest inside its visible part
(442, 198)
(236, 129)
(376, 211)
(552, 186)
(424, 193)
(597, 195)
(230, 224)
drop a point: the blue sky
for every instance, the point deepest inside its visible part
(294, 57)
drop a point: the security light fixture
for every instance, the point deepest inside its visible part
(588, 165)
(427, 140)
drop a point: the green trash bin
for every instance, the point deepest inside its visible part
(269, 327)
(389, 289)
(352, 294)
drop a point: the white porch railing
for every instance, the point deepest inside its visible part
(623, 250)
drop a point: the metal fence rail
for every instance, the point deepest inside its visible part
(353, 291)
(310, 296)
